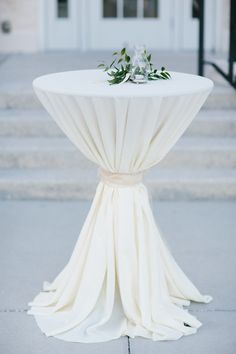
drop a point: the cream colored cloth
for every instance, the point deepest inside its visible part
(121, 279)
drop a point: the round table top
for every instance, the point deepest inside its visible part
(94, 83)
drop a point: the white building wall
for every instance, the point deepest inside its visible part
(23, 16)
(28, 19)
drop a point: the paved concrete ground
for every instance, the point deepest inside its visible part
(37, 239)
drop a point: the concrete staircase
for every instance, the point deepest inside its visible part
(38, 162)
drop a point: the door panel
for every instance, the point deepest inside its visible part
(61, 24)
(114, 23)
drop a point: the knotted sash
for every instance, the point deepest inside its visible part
(120, 179)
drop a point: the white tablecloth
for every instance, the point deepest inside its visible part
(121, 279)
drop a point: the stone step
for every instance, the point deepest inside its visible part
(165, 184)
(34, 123)
(27, 123)
(58, 152)
(222, 97)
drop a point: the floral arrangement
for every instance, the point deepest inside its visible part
(139, 69)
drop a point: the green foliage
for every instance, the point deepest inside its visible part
(120, 68)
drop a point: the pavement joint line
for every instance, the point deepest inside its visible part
(129, 348)
(214, 310)
(190, 310)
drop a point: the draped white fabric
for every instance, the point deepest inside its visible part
(121, 279)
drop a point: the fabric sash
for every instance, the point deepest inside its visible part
(121, 179)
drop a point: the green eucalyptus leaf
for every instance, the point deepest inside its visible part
(127, 58)
(164, 75)
(111, 82)
(123, 50)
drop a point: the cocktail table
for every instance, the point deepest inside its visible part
(121, 278)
